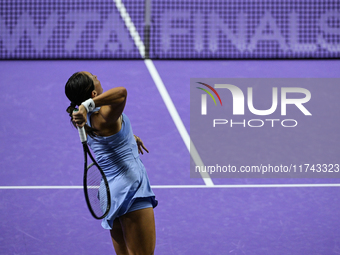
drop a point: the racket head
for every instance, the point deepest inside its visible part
(96, 188)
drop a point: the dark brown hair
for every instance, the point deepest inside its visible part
(78, 89)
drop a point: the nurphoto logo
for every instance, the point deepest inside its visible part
(264, 127)
(238, 104)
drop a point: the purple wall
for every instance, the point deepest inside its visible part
(179, 29)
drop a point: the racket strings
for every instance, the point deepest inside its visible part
(96, 191)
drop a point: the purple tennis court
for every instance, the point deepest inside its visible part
(42, 205)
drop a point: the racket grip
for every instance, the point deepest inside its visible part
(82, 134)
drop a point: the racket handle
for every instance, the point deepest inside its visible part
(82, 134)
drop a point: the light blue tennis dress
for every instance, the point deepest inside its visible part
(118, 157)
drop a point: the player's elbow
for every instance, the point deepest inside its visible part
(122, 92)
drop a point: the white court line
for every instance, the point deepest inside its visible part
(232, 186)
(131, 27)
(177, 119)
(227, 186)
(163, 91)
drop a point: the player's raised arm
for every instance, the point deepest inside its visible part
(112, 103)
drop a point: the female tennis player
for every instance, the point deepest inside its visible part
(131, 217)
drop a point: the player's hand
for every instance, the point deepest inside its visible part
(140, 145)
(80, 117)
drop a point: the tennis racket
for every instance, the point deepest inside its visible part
(96, 187)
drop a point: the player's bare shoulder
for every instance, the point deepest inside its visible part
(104, 127)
